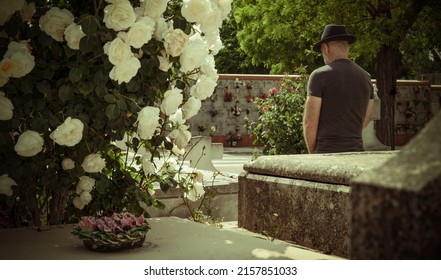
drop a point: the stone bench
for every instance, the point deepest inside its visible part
(371, 205)
(305, 199)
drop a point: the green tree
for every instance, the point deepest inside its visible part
(281, 33)
(231, 59)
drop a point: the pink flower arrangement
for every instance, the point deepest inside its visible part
(116, 223)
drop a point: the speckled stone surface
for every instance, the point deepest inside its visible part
(304, 198)
(325, 168)
(396, 208)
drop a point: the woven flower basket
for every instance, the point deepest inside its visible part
(102, 238)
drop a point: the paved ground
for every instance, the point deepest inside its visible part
(233, 160)
(231, 164)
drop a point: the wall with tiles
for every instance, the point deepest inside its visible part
(231, 102)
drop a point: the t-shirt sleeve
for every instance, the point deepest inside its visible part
(314, 85)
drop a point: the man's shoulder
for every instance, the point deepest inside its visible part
(321, 70)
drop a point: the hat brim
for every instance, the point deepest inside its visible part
(350, 38)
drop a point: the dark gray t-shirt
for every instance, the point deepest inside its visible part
(345, 89)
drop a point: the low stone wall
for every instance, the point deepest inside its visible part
(304, 199)
(223, 206)
(396, 208)
(311, 214)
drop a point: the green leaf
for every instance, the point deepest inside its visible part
(101, 91)
(112, 111)
(44, 87)
(110, 98)
(122, 105)
(75, 75)
(89, 43)
(157, 140)
(65, 93)
(168, 145)
(89, 25)
(85, 87)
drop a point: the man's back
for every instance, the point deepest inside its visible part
(345, 89)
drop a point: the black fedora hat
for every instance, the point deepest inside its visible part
(334, 32)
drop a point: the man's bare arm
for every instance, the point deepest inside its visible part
(311, 118)
(367, 117)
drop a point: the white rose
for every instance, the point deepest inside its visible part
(191, 107)
(85, 197)
(28, 11)
(22, 46)
(93, 163)
(177, 151)
(17, 65)
(214, 42)
(212, 22)
(68, 133)
(147, 165)
(18, 60)
(164, 63)
(154, 8)
(175, 42)
(78, 203)
(208, 68)
(148, 122)
(168, 166)
(55, 21)
(180, 136)
(29, 144)
(119, 15)
(172, 99)
(8, 8)
(161, 29)
(198, 177)
(196, 192)
(141, 32)
(195, 10)
(125, 71)
(203, 88)
(118, 51)
(6, 107)
(225, 7)
(177, 117)
(193, 55)
(73, 34)
(4, 17)
(5, 185)
(3, 78)
(85, 183)
(68, 164)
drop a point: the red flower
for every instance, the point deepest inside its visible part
(265, 108)
(272, 91)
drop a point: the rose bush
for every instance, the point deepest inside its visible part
(279, 128)
(94, 101)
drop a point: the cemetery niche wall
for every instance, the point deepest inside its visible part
(223, 115)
